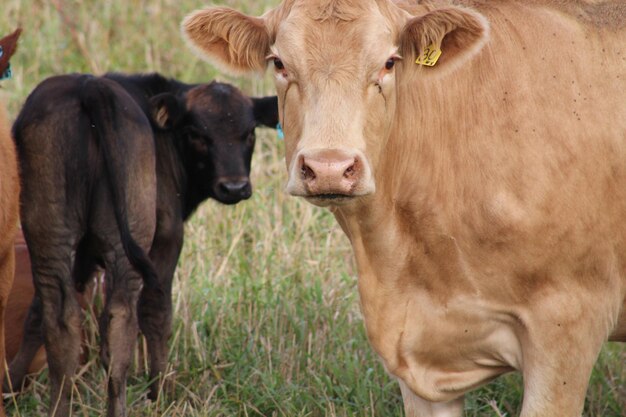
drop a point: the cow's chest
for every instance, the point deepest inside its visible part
(439, 350)
(429, 323)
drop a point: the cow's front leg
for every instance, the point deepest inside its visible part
(556, 378)
(415, 406)
(561, 342)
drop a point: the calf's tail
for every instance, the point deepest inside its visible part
(107, 113)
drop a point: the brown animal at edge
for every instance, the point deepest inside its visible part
(484, 197)
(9, 198)
(18, 304)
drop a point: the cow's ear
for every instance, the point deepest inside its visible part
(228, 38)
(167, 110)
(266, 111)
(8, 46)
(458, 33)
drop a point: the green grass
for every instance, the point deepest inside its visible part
(267, 319)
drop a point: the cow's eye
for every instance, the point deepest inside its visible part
(278, 64)
(389, 64)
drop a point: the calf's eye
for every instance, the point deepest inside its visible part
(389, 64)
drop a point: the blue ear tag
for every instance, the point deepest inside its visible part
(279, 130)
(6, 74)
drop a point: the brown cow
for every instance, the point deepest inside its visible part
(484, 195)
(9, 196)
(18, 302)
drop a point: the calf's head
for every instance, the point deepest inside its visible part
(216, 124)
(338, 67)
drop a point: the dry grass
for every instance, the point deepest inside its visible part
(267, 321)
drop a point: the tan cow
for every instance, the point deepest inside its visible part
(9, 197)
(484, 196)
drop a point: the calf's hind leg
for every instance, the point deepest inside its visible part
(61, 319)
(118, 329)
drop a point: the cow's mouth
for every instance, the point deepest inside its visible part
(324, 200)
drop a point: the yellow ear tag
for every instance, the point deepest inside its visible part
(429, 57)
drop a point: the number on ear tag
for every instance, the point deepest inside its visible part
(429, 56)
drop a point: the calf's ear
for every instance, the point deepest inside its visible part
(167, 110)
(459, 33)
(229, 38)
(266, 111)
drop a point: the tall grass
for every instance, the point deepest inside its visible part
(267, 319)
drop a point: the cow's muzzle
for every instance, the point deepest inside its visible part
(331, 175)
(232, 190)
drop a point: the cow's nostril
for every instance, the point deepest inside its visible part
(351, 170)
(307, 172)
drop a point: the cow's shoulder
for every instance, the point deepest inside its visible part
(608, 14)
(143, 86)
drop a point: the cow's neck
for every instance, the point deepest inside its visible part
(194, 196)
(175, 183)
(171, 176)
(404, 236)
(185, 190)
(398, 236)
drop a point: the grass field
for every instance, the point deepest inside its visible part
(267, 320)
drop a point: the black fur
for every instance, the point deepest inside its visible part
(91, 149)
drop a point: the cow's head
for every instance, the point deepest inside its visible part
(8, 45)
(340, 66)
(216, 124)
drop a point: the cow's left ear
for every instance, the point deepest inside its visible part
(459, 33)
(167, 110)
(266, 111)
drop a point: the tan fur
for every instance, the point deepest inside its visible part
(457, 31)
(242, 46)
(9, 206)
(336, 11)
(496, 237)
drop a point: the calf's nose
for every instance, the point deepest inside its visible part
(330, 172)
(234, 188)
